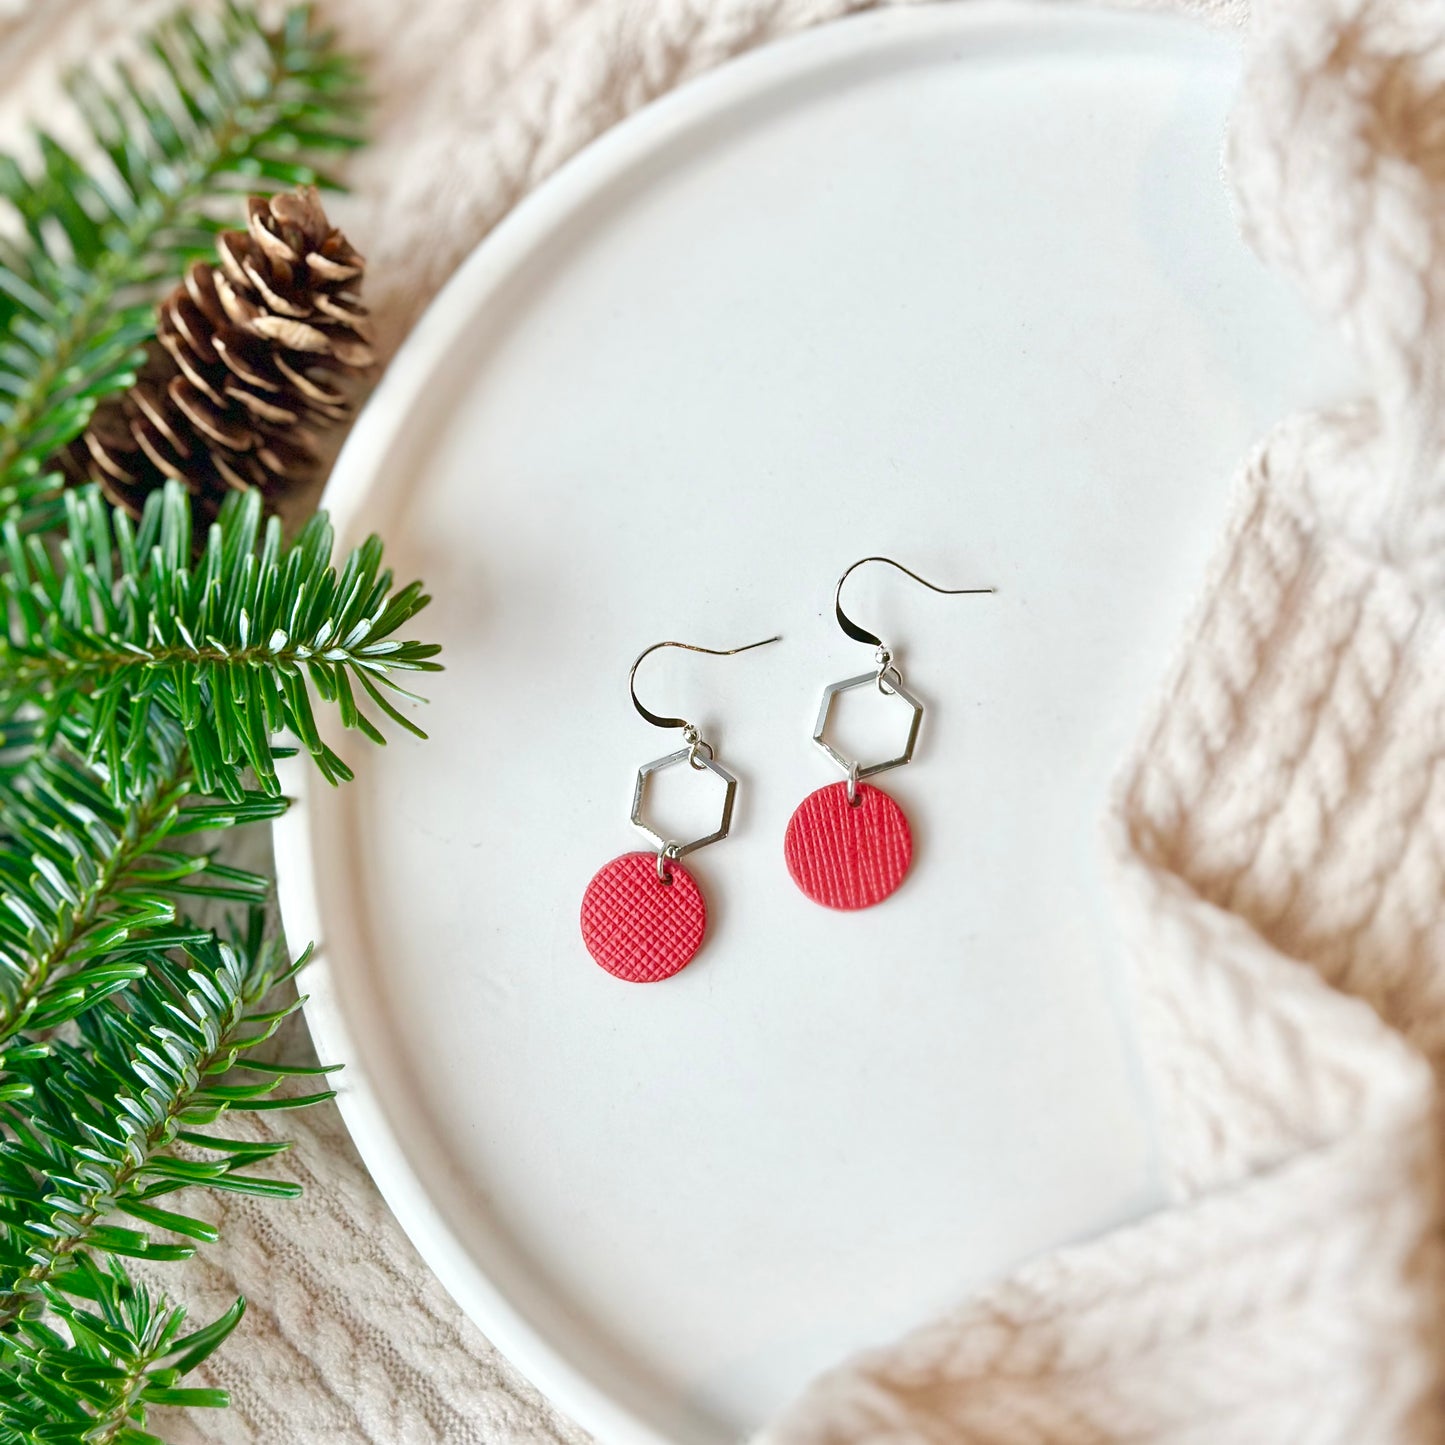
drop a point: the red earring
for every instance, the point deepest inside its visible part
(643, 915)
(849, 845)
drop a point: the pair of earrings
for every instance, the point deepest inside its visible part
(847, 846)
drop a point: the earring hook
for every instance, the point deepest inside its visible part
(679, 722)
(859, 634)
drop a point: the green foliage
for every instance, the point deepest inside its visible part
(120, 1352)
(124, 624)
(98, 1132)
(152, 683)
(225, 104)
(90, 882)
(143, 692)
(115, 1119)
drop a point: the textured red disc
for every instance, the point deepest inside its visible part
(848, 855)
(638, 927)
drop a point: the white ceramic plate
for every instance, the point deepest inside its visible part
(955, 284)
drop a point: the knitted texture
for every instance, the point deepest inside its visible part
(638, 926)
(848, 854)
(1292, 1293)
(1277, 839)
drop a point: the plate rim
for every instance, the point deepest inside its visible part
(483, 273)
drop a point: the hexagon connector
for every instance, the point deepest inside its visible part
(680, 850)
(867, 679)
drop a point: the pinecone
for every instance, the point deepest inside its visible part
(250, 357)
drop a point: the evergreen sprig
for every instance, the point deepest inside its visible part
(142, 689)
(99, 1131)
(123, 624)
(115, 1120)
(121, 1352)
(89, 883)
(224, 104)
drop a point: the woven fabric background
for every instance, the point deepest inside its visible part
(1278, 838)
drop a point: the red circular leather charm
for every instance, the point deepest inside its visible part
(638, 927)
(848, 855)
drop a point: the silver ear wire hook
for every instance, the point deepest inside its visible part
(883, 656)
(694, 740)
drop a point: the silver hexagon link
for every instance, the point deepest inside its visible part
(702, 764)
(867, 679)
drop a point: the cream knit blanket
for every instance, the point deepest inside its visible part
(1278, 836)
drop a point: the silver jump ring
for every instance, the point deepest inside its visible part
(884, 658)
(699, 745)
(668, 853)
(853, 784)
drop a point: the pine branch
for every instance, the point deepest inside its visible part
(63, 862)
(138, 685)
(232, 105)
(123, 1354)
(21, 739)
(98, 1135)
(225, 647)
(87, 882)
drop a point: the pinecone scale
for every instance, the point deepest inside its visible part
(252, 357)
